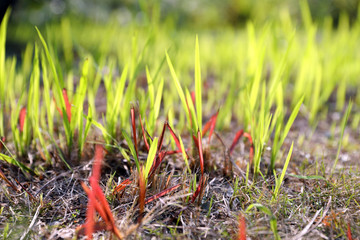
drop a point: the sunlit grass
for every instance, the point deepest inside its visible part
(76, 79)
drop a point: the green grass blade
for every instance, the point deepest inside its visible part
(178, 86)
(87, 128)
(305, 13)
(103, 130)
(312, 177)
(46, 96)
(119, 94)
(192, 112)
(151, 156)
(3, 29)
(34, 102)
(77, 120)
(58, 90)
(278, 184)
(151, 90)
(198, 85)
(291, 120)
(13, 161)
(184, 154)
(273, 221)
(343, 125)
(158, 99)
(59, 85)
(132, 149)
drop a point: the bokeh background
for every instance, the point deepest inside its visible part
(193, 15)
(198, 13)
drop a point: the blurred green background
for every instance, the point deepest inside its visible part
(194, 13)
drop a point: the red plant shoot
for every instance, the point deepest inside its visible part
(67, 104)
(348, 232)
(193, 97)
(122, 185)
(210, 125)
(2, 143)
(2, 175)
(242, 228)
(132, 113)
(237, 137)
(161, 138)
(176, 139)
(201, 158)
(142, 192)
(162, 193)
(144, 134)
(22, 116)
(97, 201)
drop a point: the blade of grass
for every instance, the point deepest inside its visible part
(151, 157)
(59, 96)
(184, 155)
(97, 198)
(122, 186)
(2, 175)
(175, 138)
(273, 221)
(132, 149)
(198, 84)
(201, 156)
(132, 113)
(144, 134)
(241, 228)
(22, 117)
(343, 125)
(236, 139)
(278, 184)
(278, 143)
(178, 87)
(13, 161)
(2, 142)
(162, 193)
(3, 28)
(67, 104)
(348, 232)
(191, 109)
(142, 193)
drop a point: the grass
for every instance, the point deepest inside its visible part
(249, 87)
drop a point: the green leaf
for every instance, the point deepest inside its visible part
(178, 86)
(343, 125)
(184, 154)
(198, 85)
(311, 177)
(151, 156)
(279, 182)
(273, 222)
(13, 161)
(132, 149)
